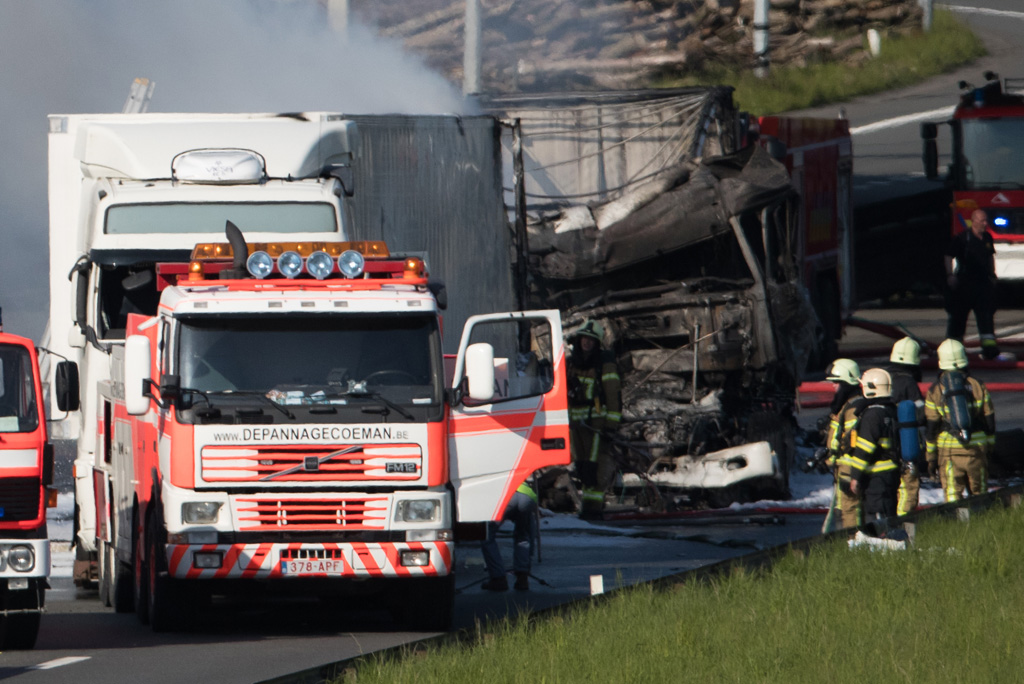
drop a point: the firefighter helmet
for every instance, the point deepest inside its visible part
(844, 370)
(591, 328)
(906, 351)
(876, 383)
(952, 355)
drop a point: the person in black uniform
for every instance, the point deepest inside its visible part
(875, 473)
(972, 286)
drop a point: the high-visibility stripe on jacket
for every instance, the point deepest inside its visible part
(528, 491)
(938, 432)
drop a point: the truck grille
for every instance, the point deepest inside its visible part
(282, 463)
(277, 514)
(19, 499)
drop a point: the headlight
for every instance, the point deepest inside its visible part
(319, 265)
(259, 264)
(418, 510)
(195, 512)
(290, 264)
(351, 263)
(21, 558)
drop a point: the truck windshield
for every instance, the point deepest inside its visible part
(312, 360)
(210, 217)
(18, 409)
(990, 153)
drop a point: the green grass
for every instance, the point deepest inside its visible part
(903, 60)
(949, 611)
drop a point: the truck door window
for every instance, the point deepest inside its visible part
(18, 411)
(124, 290)
(522, 357)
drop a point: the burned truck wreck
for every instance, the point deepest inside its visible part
(692, 267)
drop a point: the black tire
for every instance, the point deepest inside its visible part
(167, 602)
(122, 594)
(140, 583)
(771, 427)
(20, 631)
(428, 604)
(106, 573)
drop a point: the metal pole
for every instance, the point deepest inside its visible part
(926, 14)
(761, 26)
(471, 55)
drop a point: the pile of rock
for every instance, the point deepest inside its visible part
(564, 44)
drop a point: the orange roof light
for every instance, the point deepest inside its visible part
(413, 268)
(195, 270)
(368, 248)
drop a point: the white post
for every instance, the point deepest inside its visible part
(761, 26)
(471, 56)
(926, 18)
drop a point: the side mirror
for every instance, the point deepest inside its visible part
(480, 371)
(67, 386)
(170, 387)
(136, 375)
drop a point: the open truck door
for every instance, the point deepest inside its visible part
(509, 413)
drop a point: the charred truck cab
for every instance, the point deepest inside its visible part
(284, 421)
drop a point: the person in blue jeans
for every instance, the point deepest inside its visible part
(522, 511)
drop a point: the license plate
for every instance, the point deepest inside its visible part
(17, 583)
(313, 566)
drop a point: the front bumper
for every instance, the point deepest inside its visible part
(287, 561)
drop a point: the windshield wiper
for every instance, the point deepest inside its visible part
(362, 392)
(255, 393)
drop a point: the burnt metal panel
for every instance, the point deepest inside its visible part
(432, 184)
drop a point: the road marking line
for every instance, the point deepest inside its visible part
(59, 662)
(984, 10)
(902, 120)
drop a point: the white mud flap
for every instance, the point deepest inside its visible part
(495, 443)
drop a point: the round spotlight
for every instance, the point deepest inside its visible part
(319, 265)
(21, 558)
(259, 264)
(290, 264)
(351, 263)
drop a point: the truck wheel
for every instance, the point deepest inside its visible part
(106, 579)
(428, 604)
(122, 594)
(167, 607)
(19, 631)
(771, 427)
(140, 576)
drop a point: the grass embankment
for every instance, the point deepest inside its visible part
(949, 611)
(903, 60)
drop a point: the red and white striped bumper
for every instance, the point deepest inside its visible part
(285, 561)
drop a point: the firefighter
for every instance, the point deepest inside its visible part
(960, 425)
(875, 475)
(595, 411)
(522, 511)
(972, 286)
(905, 370)
(842, 416)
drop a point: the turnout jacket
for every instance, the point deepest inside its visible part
(597, 400)
(938, 433)
(873, 441)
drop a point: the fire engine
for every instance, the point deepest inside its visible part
(987, 129)
(284, 420)
(26, 471)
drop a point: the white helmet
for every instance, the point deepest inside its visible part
(844, 370)
(906, 351)
(876, 383)
(952, 355)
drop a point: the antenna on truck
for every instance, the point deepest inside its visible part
(139, 96)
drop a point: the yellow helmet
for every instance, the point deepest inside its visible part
(952, 355)
(844, 370)
(591, 328)
(876, 383)
(906, 351)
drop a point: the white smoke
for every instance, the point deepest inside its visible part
(78, 56)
